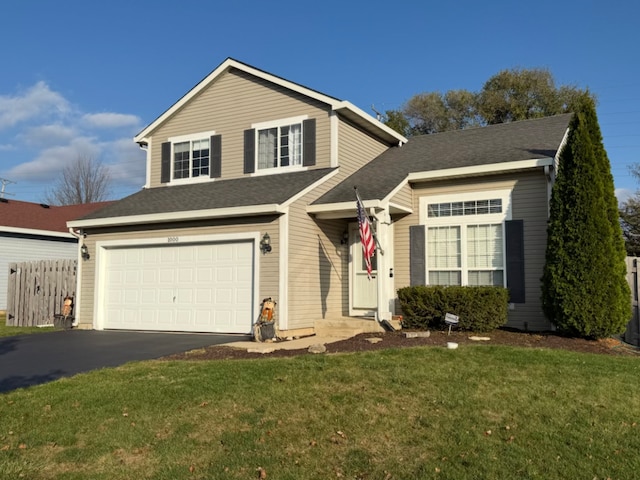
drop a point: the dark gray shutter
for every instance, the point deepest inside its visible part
(165, 164)
(514, 232)
(215, 169)
(250, 150)
(309, 142)
(417, 264)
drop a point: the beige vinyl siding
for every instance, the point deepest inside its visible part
(268, 264)
(229, 106)
(356, 148)
(404, 197)
(318, 262)
(529, 203)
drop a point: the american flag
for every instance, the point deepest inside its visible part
(366, 237)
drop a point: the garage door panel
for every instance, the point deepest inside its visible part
(198, 287)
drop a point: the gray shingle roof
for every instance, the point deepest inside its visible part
(507, 142)
(239, 192)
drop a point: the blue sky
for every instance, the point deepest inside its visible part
(80, 77)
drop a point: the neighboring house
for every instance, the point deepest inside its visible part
(246, 157)
(34, 231)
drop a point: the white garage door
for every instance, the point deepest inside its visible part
(184, 288)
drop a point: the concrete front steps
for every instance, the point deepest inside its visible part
(346, 327)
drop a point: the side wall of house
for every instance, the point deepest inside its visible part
(318, 262)
(268, 267)
(529, 203)
(20, 248)
(229, 106)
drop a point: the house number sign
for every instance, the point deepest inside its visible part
(173, 239)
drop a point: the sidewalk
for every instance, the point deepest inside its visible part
(295, 344)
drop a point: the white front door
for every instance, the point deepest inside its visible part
(364, 291)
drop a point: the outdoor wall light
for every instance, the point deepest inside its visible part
(265, 243)
(84, 251)
(345, 238)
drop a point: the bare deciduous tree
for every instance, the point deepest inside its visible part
(84, 180)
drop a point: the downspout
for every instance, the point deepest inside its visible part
(76, 313)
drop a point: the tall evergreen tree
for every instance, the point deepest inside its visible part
(584, 289)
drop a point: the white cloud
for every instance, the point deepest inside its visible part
(37, 101)
(51, 161)
(623, 194)
(111, 120)
(48, 135)
(127, 163)
(7, 147)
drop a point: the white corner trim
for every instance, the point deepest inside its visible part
(33, 231)
(302, 193)
(480, 169)
(178, 216)
(283, 281)
(334, 123)
(146, 146)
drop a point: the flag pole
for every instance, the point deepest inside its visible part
(373, 232)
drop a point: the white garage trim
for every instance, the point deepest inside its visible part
(101, 255)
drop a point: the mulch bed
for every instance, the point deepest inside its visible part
(359, 343)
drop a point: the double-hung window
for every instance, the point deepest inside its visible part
(281, 145)
(191, 156)
(465, 238)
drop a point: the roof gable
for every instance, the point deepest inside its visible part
(343, 107)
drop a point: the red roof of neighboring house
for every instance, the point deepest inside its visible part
(36, 216)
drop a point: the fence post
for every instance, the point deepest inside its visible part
(632, 334)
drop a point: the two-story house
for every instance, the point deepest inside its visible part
(250, 194)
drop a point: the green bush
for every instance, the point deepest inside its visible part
(480, 309)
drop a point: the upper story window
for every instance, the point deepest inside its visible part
(193, 157)
(280, 146)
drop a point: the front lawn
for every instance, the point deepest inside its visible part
(478, 412)
(11, 331)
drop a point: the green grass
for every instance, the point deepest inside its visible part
(479, 412)
(11, 331)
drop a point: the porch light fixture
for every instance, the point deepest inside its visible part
(84, 252)
(265, 243)
(345, 238)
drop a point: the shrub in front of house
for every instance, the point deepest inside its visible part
(480, 309)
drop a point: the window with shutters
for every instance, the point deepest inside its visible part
(465, 238)
(191, 157)
(279, 144)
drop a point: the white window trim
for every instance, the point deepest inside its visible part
(189, 138)
(283, 122)
(463, 221)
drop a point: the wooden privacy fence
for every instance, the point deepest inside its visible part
(632, 335)
(37, 291)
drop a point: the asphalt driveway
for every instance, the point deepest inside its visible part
(28, 360)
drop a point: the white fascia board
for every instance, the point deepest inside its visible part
(178, 216)
(32, 231)
(303, 192)
(327, 210)
(480, 169)
(376, 123)
(397, 208)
